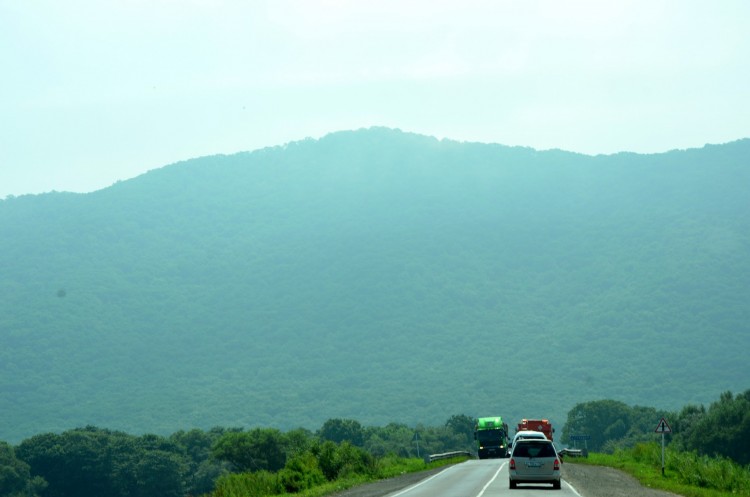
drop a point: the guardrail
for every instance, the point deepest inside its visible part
(459, 453)
(574, 453)
(447, 455)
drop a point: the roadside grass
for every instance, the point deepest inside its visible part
(389, 467)
(685, 473)
(264, 484)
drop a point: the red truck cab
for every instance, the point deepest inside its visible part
(542, 425)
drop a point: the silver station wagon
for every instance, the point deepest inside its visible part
(534, 461)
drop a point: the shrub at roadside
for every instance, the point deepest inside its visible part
(257, 484)
(322, 463)
(711, 472)
(325, 468)
(301, 473)
(686, 473)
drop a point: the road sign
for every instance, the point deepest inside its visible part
(580, 437)
(663, 427)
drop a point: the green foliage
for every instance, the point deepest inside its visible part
(264, 483)
(722, 430)
(686, 473)
(160, 473)
(255, 450)
(611, 424)
(394, 438)
(354, 460)
(340, 430)
(711, 472)
(341, 460)
(256, 484)
(462, 425)
(301, 472)
(298, 441)
(310, 473)
(202, 470)
(88, 461)
(74, 463)
(15, 475)
(328, 460)
(94, 462)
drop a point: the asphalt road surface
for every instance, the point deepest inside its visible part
(489, 477)
(478, 478)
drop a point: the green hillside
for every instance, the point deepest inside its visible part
(380, 276)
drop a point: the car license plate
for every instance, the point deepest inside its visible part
(532, 464)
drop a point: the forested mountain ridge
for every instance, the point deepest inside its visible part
(376, 275)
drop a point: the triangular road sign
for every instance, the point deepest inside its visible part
(663, 427)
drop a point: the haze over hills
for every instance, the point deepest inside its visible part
(380, 276)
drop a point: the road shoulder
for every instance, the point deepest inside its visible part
(603, 481)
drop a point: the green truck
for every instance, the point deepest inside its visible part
(491, 435)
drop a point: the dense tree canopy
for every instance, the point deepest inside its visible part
(462, 425)
(255, 450)
(340, 430)
(15, 475)
(721, 430)
(93, 461)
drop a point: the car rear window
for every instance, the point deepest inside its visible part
(533, 450)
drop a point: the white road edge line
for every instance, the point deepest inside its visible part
(409, 489)
(492, 479)
(571, 487)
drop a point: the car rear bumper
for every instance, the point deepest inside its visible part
(534, 478)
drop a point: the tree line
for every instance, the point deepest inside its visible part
(722, 429)
(225, 462)
(93, 461)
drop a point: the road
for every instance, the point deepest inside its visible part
(478, 478)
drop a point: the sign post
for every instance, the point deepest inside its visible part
(580, 437)
(662, 427)
(585, 438)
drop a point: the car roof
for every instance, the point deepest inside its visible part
(530, 434)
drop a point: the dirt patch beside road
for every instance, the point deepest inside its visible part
(601, 481)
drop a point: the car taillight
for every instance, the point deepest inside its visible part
(557, 465)
(512, 464)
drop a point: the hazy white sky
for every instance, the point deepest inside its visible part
(95, 91)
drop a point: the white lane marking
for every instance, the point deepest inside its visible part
(491, 480)
(571, 487)
(409, 489)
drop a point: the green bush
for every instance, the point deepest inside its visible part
(338, 461)
(690, 468)
(257, 484)
(710, 472)
(301, 472)
(355, 461)
(646, 453)
(328, 459)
